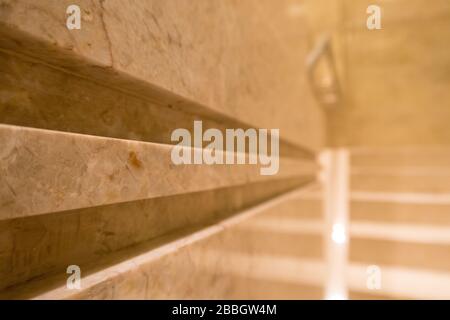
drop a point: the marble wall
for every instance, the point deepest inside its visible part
(86, 176)
(395, 79)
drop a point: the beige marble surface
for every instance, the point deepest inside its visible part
(244, 60)
(398, 212)
(46, 171)
(398, 12)
(398, 157)
(396, 181)
(399, 221)
(414, 255)
(38, 96)
(218, 261)
(44, 244)
(85, 171)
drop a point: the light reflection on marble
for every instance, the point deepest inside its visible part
(45, 171)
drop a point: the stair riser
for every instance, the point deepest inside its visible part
(207, 263)
(397, 158)
(401, 183)
(38, 245)
(401, 254)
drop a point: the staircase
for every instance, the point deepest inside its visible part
(87, 181)
(400, 222)
(257, 253)
(86, 177)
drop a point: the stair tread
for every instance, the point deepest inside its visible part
(400, 232)
(400, 212)
(439, 184)
(402, 283)
(126, 271)
(400, 197)
(397, 157)
(71, 171)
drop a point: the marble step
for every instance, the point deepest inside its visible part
(371, 295)
(395, 14)
(402, 245)
(398, 282)
(217, 261)
(196, 66)
(191, 264)
(45, 171)
(400, 218)
(409, 181)
(272, 238)
(262, 289)
(401, 197)
(301, 277)
(38, 96)
(38, 245)
(388, 210)
(403, 170)
(419, 158)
